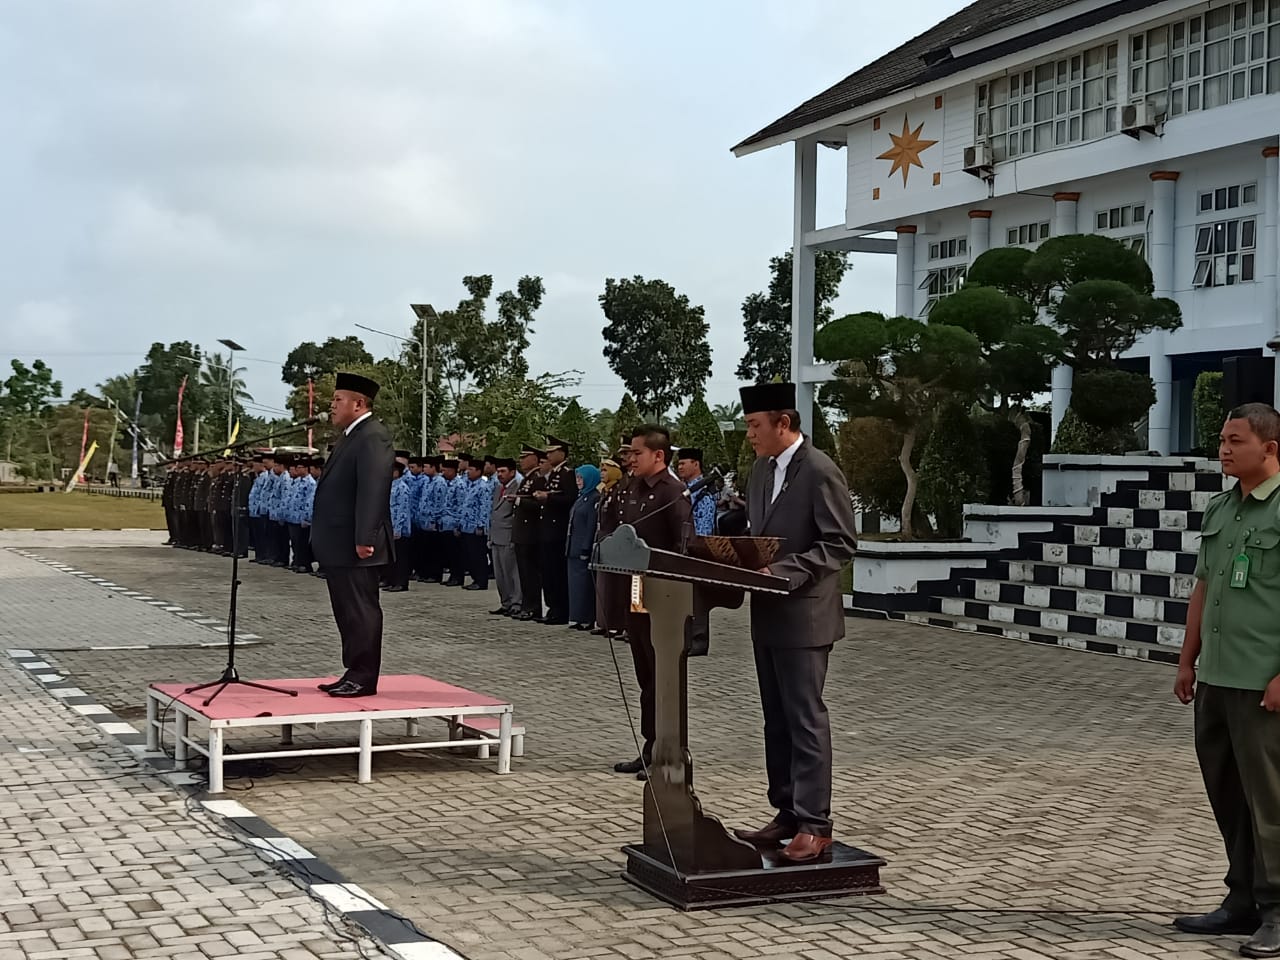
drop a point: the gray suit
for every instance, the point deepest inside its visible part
(501, 521)
(792, 635)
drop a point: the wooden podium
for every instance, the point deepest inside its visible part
(687, 856)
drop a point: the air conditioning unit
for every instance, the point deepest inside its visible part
(978, 161)
(1137, 117)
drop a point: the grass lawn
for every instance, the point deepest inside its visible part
(54, 511)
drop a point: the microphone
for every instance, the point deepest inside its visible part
(714, 480)
(322, 417)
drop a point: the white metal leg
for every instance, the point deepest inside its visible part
(411, 727)
(366, 753)
(517, 744)
(215, 759)
(504, 742)
(180, 740)
(482, 752)
(153, 732)
(286, 734)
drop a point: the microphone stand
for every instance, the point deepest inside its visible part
(230, 676)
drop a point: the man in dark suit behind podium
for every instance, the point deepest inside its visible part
(798, 494)
(351, 531)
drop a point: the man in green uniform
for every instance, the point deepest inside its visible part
(1231, 628)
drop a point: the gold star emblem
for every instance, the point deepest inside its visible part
(906, 150)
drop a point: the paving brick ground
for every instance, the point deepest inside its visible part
(98, 860)
(1005, 783)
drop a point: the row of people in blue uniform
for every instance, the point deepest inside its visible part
(281, 502)
(440, 514)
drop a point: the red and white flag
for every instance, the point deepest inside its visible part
(177, 431)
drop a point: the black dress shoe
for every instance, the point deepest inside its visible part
(598, 632)
(349, 689)
(629, 766)
(1220, 922)
(474, 586)
(527, 617)
(555, 623)
(642, 775)
(770, 835)
(1264, 943)
(331, 685)
(396, 589)
(500, 612)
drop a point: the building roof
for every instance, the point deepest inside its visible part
(928, 57)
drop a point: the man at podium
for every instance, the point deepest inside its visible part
(796, 493)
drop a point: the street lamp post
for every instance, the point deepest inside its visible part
(232, 346)
(425, 312)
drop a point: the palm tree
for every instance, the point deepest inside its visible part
(727, 412)
(213, 385)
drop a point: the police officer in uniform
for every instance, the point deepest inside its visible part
(524, 534)
(557, 503)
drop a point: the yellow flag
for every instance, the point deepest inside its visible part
(235, 432)
(93, 448)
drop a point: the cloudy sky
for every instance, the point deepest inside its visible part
(275, 172)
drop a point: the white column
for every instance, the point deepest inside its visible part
(1061, 394)
(1164, 185)
(905, 303)
(1268, 268)
(1065, 214)
(979, 234)
(803, 277)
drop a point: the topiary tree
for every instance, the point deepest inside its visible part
(627, 417)
(742, 471)
(867, 450)
(523, 431)
(698, 428)
(903, 370)
(574, 428)
(953, 470)
(820, 432)
(1210, 409)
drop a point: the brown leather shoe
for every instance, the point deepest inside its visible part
(805, 848)
(771, 835)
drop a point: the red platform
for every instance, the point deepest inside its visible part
(404, 697)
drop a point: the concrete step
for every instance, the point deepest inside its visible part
(1040, 619)
(1156, 653)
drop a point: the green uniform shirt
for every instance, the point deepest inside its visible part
(1240, 627)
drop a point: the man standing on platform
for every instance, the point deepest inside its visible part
(557, 503)
(501, 523)
(798, 494)
(654, 503)
(524, 534)
(351, 531)
(1231, 628)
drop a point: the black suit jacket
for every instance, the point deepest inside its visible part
(814, 518)
(353, 500)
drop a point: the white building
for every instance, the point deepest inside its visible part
(1016, 120)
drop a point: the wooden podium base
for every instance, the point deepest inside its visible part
(846, 872)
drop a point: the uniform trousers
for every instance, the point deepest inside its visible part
(403, 566)
(555, 578)
(206, 529)
(300, 541)
(582, 591)
(242, 534)
(527, 563)
(280, 531)
(1238, 746)
(222, 529)
(797, 734)
(433, 555)
(507, 573)
(261, 542)
(476, 549)
(353, 594)
(450, 549)
(171, 523)
(642, 658)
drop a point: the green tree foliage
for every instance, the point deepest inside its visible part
(1076, 436)
(212, 384)
(515, 318)
(394, 405)
(867, 450)
(742, 470)
(953, 471)
(733, 442)
(526, 428)
(574, 428)
(1018, 354)
(159, 379)
(728, 412)
(698, 428)
(310, 361)
(24, 395)
(655, 341)
(1110, 398)
(766, 317)
(490, 413)
(903, 370)
(1005, 269)
(1210, 409)
(627, 417)
(820, 432)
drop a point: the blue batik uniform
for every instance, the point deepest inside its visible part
(477, 506)
(279, 496)
(401, 508)
(307, 500)
(455, 495)
(416, 484)
(255, 493)
(430, 503)
(704, 511)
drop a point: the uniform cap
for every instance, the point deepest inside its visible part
(690, 453)
(555, 443)
(356, 384)
(764, 397)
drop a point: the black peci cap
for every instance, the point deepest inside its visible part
(763, 397)
(356, 384)
(689, 453)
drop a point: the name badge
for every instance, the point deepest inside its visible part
(1240, 572)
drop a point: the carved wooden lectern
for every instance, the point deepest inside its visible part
(688, 858)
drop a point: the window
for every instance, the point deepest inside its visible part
(1227, 54)
(1225, 252)
(949, 249)
(1117, 218)
(940, 282)
(1027, 233)
(1227, 198)
(1137, 244)
(1053, 104)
